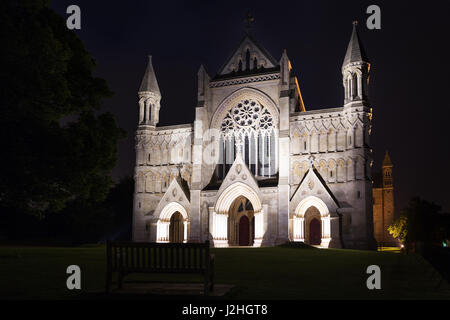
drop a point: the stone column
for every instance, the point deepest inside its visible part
(220, 230)
(299, 225)
(141, 110)
(360, 87)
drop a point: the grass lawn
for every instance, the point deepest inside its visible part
(265, 273)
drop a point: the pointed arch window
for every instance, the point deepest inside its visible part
(250, 126)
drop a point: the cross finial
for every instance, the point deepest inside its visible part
(248, 21)
(355, 23)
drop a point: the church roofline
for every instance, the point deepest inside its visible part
(312, 112)
(248, 36)
(176, 126)
(245, 74)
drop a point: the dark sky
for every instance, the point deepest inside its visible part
(409, 76)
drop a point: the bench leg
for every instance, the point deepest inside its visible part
(211, 275)
(108, 281)
(120, 280)
(206, 285)
(211, 281)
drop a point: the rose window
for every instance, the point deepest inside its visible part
(247, 114)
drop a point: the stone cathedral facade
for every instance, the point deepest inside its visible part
(256, 168)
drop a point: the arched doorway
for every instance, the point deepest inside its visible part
(173, 224)
(305, 229)
(244, 231)
(240, 214)
(315, 234)
(237, 200)
(176, 228)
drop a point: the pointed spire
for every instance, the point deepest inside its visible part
(284, 55)
(202, 83)
(285, 68)
(387, 160)
(149, 83)
(355, 50)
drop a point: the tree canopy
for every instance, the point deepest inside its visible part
(57, 145)
(421, 220)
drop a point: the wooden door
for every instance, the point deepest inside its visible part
(244, 231)
(315, 234)
(176, 228)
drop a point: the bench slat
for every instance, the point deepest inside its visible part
(161, 256)
(139, 257)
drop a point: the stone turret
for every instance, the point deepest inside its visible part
(387, 171)
(355, 71)
(149, 97)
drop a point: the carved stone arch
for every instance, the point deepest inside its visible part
(358, 72)
(166, 231)
(157, 183)
(359, 167)
(350, 165)
(332, 139)
(340, 170)
(295, 141)
(341, 138)
(165, 176)
(296, 172)
(140, 182)
(314, 144)
(170, 209)
(347, 73)
(322, 167)
(358, 136)
(165, 152)
(173, 157)
(331, 170)
(295, 131)
(232, 192)
(323, 140)
(231, 100)
(149, 182)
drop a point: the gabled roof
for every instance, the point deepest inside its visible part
(253, 45)
(312, 182)
(355, 50)
(149, 82)
(244, 171)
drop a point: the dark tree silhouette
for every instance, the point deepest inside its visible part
(423, 220)
(57, 147)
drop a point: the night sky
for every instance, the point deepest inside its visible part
(409, 75)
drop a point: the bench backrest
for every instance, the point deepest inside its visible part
(145, 256)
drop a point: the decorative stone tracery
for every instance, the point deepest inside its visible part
(249, 128)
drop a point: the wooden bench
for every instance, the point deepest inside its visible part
(142, 257)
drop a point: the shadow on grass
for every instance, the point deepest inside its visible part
(297, 245)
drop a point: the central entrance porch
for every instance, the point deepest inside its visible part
(241, 223)
(237, 218)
